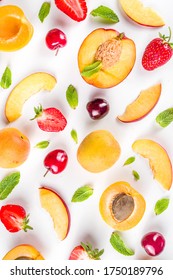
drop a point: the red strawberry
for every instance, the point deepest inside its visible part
(14, 218)
(75, 9)
(50, 119)
(85, 252)
(158, 52)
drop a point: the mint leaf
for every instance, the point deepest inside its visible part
(44, 11)
(165, 117)
(161, 205)
(136, 175)
(8, 184)
(118, 244)
(42, 145)
(129, 161)
(91, 69)
(82, 194)
(74, 136)
(72, 96)
(105, 13)
(6, 79)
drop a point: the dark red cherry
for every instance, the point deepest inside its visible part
(55, 161)
(153, 243)
(97, 108)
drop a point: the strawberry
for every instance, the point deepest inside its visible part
(75, 9)
(50, 119)
(14, 218)
(85, 252)
(158, 52)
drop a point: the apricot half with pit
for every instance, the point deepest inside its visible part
(121, 206)
(15, 29)
(98, 151)
(14, 147)
(23, 252)
(106, 57)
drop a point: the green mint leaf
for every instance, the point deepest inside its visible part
(42, 145)
(8, 184)
(44, 11)
(118, 244)
(72, 96)
(105, 13)
(129, 161)
(74, 136)
(165, 117)
(6, 79)
(161, 205)
(91, 69)
(136, 175)
(82, 194)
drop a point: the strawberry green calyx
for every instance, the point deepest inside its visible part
(93, 254)
(38, 112)
(166, 39)
(25, 225)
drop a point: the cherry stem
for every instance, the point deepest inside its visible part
(57, 50)
(46, 172)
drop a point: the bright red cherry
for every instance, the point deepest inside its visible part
(97, 108)
(55, 161)
(55, 39)
(153, 243)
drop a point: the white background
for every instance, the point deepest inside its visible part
(86, 222)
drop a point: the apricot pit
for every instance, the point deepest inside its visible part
(121, 206)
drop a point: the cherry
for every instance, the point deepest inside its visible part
(153, 243)
(97, 108)
(55, 161)
(55, 39)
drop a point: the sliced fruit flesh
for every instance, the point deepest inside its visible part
(54, 205)
(141, 14)
(9, 27)
(122, 206)
(142, 105)
(23, 258)
(23, 252)
(114, 74)
(24, 90)
(158, 159)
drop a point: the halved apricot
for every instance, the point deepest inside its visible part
(23, 252)
(121, 206)
(15, 30)
(115, 52)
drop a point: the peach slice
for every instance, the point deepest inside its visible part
(115, 52)
(24, 90)
(57, 209)
(136, 11)
(23, 252)
(142, 105)
(98, 151)
(15, 30)
(14, 147)
(158, 159)
(121, 206)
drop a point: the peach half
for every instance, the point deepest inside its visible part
(121, 206)
(106, 57)
(136, 11)
(23, 252)
(158, 159)
(58, 211)
(142, 105)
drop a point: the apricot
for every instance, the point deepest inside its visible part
(115, 52)
(121, 206)
(23, 252)
(98, 151)
(15, 30)
(14, 147)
